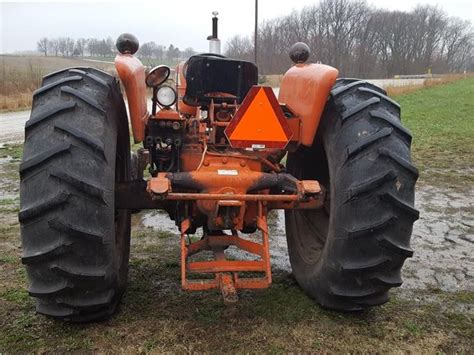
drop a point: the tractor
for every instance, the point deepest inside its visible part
(217, 153)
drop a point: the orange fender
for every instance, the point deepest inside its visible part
(305, 89)
(132, 75)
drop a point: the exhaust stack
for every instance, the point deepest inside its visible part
(214, 41)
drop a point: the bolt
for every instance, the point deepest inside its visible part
(206, 163)
(243, 163)
(225, 160)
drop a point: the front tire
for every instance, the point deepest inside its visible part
(75, 244)
(350, 253)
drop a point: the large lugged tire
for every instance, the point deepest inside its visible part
(75, 244)
(350, 253)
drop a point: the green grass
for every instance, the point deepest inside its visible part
(441, 119)
(16, 295)
(13, 151)
(157, 316)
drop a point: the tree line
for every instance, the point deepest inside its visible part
(93, 47)
(363, 41)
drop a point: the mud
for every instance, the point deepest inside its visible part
(431, 296)
(443, 240)
(12, 126)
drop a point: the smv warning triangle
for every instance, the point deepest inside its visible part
(259, 122)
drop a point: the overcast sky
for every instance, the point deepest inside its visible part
(185, 23)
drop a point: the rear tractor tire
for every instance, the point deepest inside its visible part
(75, 244)
(350, 253)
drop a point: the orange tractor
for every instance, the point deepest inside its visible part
(213, 149)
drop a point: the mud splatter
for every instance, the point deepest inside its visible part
(443, 240)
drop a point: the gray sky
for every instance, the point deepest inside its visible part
(185, 23)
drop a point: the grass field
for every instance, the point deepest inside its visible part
(156, 316)
(146, 61)
(21, 75)
(441, 119)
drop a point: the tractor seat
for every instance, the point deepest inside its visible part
(207, 74)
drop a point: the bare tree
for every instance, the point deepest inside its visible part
(428, 25)
(457, 43)
(363, 41)
(111, 45)
(80, 46)
(188, 52)
(69, 46)
(343, 22)
(62, 46)
(239, 47)
(54, 46)
(93, 47)
(104, 48)
(147, 49)
(173, 52)
(359, 40)
(43, 46)
(159, 51)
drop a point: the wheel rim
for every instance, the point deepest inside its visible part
(309, 228)
(310, 233)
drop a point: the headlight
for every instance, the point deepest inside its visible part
(157, 76)
(166, 96)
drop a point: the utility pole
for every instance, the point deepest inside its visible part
(256, 33)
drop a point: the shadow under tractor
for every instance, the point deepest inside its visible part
(218, 153)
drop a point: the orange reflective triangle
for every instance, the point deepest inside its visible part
(259, 122)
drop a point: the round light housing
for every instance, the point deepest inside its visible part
(166, 96)
(157, 76)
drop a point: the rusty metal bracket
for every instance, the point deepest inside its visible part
(226, 272)
(136, 195)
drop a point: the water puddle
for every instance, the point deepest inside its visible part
(443, 240)
(159, 220)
